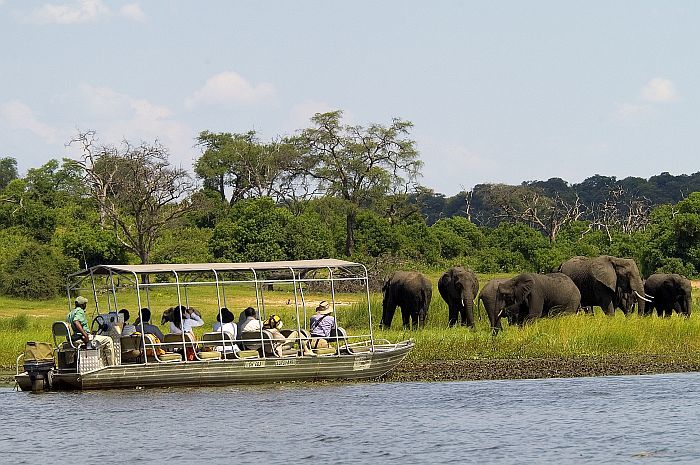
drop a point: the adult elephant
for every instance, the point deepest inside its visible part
(487, 297)
(671, 292)
(600, 279)
(458, 288)
(530, 295)
(411, 291)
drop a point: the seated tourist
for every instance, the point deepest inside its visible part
(145, 327)
(185, 321)
(224, 323)
(127, 329)
(249, 322)
(274, 326)
(322, 325)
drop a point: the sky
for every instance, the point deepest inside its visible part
(498, 91)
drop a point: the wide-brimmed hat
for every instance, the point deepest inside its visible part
(80, 300)
(324, 308)
(226, 315)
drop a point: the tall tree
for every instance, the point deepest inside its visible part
(248, 167)
(357, 164)
(137, 190)
(8, 171)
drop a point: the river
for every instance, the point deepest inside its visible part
(627, 419)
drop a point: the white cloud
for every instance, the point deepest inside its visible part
(659, 90)
(629, 111)
(18, 115)
(121, 116)
(133, 12)
(228, 88)
(79, 11)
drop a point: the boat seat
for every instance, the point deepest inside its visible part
(166, 357)
(61, 330)
(131, 348)
(266, 348)
(324, 351)
(243, 354)
(174, 342)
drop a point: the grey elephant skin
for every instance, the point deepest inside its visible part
(458, 287)
(669, 292)
(411, 291)
(600, 279)
(529, 295)
(487, 297)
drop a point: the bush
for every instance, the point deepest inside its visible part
(37, 272)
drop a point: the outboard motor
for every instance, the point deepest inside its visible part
(39, 364)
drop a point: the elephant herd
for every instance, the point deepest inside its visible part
(579, 283)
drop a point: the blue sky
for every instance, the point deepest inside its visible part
(498, 91)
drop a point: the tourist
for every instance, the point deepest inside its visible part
(143, 324)
(224, 323)
(186, 319)
(249, 322)
(81, 331)
(322, 325)
(127, 329)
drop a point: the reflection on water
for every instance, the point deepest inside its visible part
(593, 420)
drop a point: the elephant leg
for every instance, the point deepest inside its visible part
(452, 314)
(406, 318)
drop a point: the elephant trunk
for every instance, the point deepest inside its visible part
(687, 305)
(468, 306)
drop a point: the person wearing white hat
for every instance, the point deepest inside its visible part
(321, 323)
(81, 330)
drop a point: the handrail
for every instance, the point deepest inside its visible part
(17, 362)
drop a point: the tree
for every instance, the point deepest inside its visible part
(8, 171)
(357, 164)
(136, 189)
(248, 167)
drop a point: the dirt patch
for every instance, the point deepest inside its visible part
(528, 368)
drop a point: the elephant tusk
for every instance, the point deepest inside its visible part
(649, 296)
(639, 296)
(462, 302)
(500, 314)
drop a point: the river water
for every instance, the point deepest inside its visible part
(629, 419)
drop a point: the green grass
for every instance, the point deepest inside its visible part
(564, 336)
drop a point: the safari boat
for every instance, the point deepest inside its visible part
(142, 360)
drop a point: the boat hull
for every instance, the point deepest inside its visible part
(358, 366)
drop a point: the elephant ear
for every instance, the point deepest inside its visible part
(604, 273)
(523, 288)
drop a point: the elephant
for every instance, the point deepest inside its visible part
(600, 279)
(411, 291)
(671, 292)
(623, 300)
(458, 288)
(487, 296)
(530, 295)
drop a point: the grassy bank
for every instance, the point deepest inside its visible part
(566, 337)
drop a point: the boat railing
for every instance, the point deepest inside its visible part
(348, 344)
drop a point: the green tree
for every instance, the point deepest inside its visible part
(355, 163)
(8, 171)
(36, 272)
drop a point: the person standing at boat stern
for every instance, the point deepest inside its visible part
(78, 321)
(322, 324)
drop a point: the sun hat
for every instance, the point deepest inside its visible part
(324, 308)
(226, 315)
(273, 322)
(80, 300)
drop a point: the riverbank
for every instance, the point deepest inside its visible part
(533, 368)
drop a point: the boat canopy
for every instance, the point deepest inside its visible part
(296, 265)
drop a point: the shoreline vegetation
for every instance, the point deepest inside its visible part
(564, 346)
